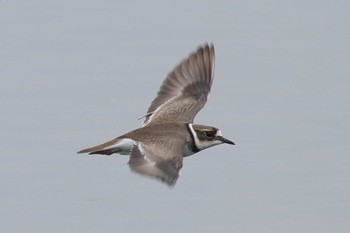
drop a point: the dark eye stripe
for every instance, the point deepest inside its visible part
(209, 134)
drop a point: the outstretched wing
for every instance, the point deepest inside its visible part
(164, 165)
(185, 90)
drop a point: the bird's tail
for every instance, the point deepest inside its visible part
(121, 146)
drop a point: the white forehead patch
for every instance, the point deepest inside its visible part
(218, 133)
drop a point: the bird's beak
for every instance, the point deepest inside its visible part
(224, 140)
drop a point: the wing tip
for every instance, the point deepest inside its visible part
(207, 47)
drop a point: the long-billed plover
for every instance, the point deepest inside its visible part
(168, 133)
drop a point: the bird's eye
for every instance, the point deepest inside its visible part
(209, 134)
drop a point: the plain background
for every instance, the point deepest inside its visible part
(77, 73)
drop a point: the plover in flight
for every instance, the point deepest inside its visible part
(168, 133)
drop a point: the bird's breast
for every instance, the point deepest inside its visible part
(187, 150)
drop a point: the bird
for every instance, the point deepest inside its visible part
(168, 133)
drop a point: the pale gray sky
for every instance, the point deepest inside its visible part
(77, 73)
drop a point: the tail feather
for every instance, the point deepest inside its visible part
(120, 145)
(106, 152)
(92, 150)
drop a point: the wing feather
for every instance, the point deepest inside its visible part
(146, 160)
(185, 90)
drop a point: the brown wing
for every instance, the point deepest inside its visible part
(185, 90)
(160, 161)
